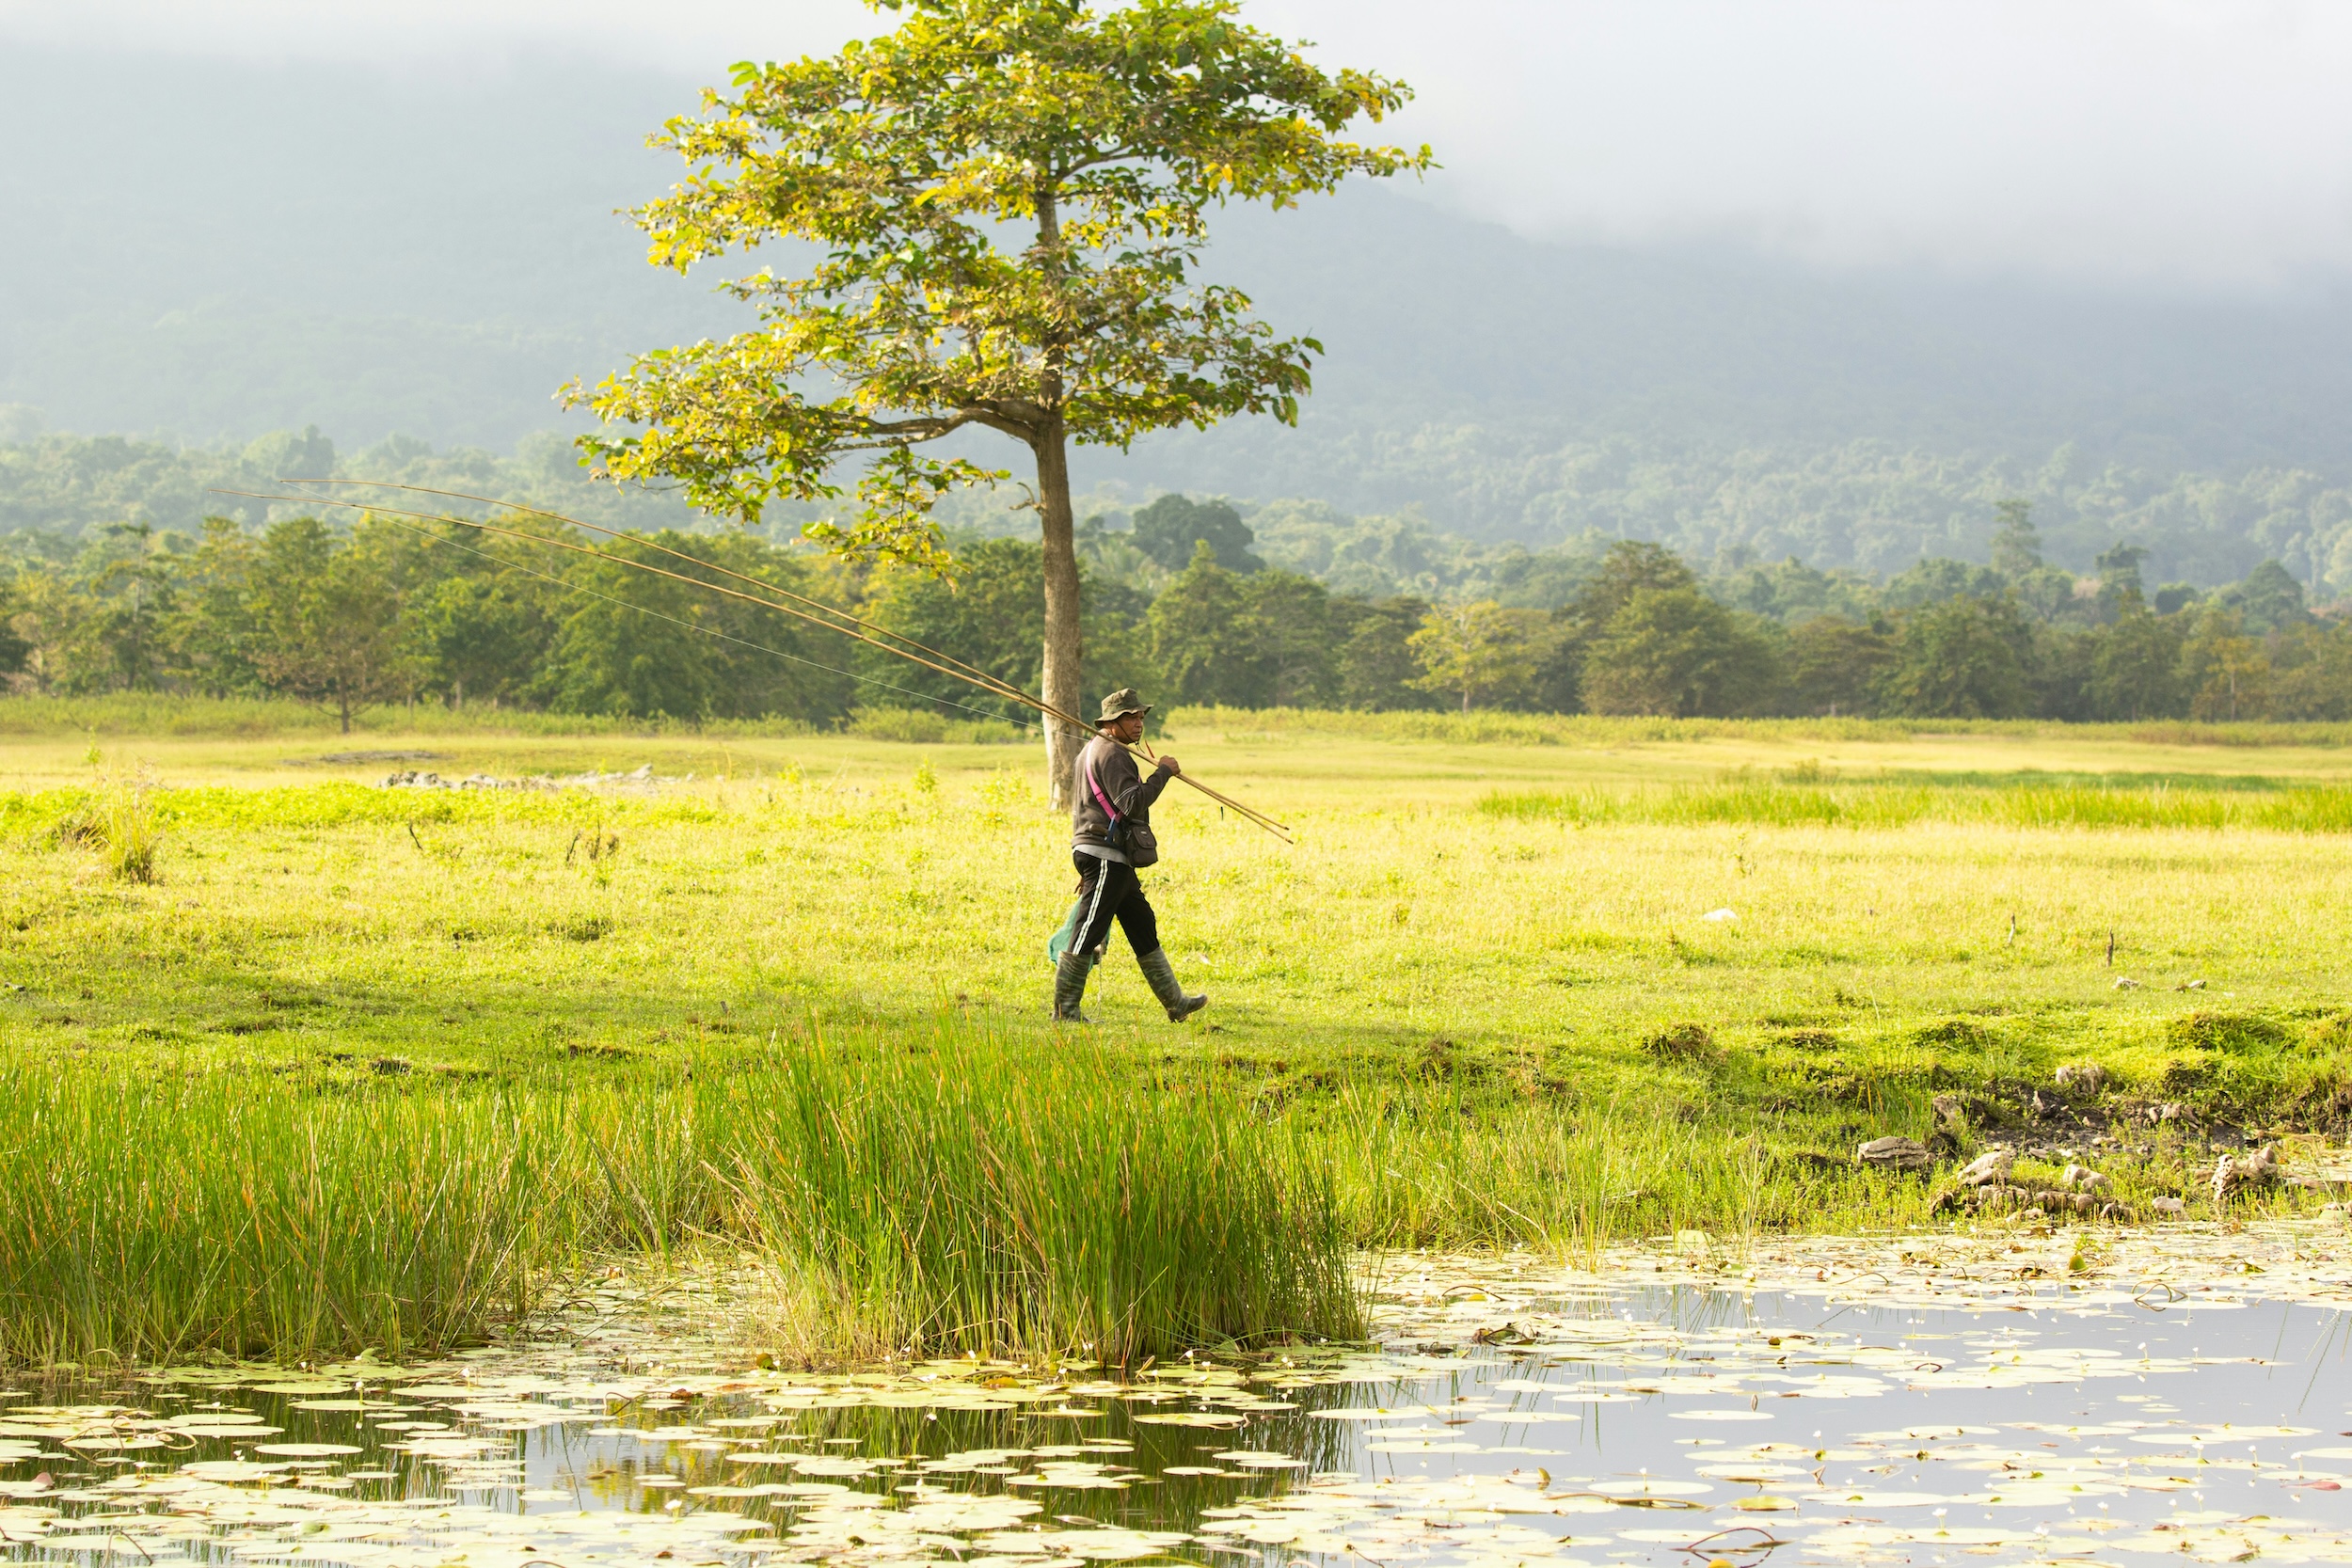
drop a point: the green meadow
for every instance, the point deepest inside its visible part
(300, 1063)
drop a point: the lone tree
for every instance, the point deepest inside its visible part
(327, 621)
(1010, 197)
(2016, 543)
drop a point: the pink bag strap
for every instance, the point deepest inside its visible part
(1101, 799)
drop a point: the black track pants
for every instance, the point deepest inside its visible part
(1109, 891)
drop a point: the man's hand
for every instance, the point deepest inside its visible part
(1169, 765)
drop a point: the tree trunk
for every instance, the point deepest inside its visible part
(1062, 643)
(1062, 637)
(344, 704)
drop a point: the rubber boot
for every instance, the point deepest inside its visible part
(1162, 974)
(1069, 986)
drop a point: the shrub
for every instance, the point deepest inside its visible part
(1685, 1042)
(127, 829)
(119, 822)
(918, 726)
(2224, 1032)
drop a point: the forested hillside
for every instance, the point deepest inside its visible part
(56, 490)
(434, 257)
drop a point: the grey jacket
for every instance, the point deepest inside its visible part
(1113, 767)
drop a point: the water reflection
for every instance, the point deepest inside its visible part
(1672, 1424)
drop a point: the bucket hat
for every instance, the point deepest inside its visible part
(1119, 704)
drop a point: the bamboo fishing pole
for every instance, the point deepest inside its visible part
(431, 537)
(856, 629)
(593, 553)
(972, 673)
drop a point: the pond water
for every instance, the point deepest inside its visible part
(2011, 1397)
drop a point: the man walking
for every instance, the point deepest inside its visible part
(1110, 838)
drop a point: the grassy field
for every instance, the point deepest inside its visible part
(1480, 999)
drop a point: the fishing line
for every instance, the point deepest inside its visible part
(856, 629)
(857, 626)
(970, 671)
(596, 554)
(866, 630)
(431, 538)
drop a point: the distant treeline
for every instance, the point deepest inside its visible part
(1179, 605)
(1863, 507)
(1635, 630)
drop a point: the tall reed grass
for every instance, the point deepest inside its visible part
(1027, 1199)
(117, 818)
(126, 821)
(148, 714)
(964, 1194)
(924, 727)
(155, 1217)
(1489, 726)
(949, 1191)
(1421, 1172)
(97, 818)
(2318, 809)
(154, 714)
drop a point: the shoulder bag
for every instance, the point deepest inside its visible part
(1130, 838)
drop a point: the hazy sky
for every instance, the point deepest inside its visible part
(2164, 142)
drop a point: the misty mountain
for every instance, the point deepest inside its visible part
(1477, 372)
(214, 250)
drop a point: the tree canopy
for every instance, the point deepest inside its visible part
(1010, 197)
(1167, 529)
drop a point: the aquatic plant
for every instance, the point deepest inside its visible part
(949, 1191)
(149, 1215)
(966, 1192)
